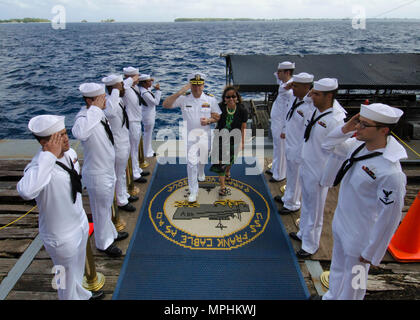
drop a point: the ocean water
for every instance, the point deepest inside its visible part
(42, 68)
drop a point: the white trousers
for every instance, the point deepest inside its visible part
(135, 136)
(197, 157)
(69, 258)
(291, 197)
(312, 210)
(278, 167)
(121, 160)
(348, 276)
(101, 190)
(149, 115)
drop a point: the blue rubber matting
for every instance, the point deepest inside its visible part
(184, 252)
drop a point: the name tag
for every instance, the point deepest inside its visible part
(188, 106)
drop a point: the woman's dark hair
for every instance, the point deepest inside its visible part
(233, 88)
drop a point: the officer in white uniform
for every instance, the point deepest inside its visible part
(52, 178)
(149, 102)
(116, 112)
(371, 197)
(327, 115)
(283, 75)
(134, 110)
(92, 128)
(293, 129)
(199, 110)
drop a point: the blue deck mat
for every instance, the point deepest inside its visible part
(164, 263)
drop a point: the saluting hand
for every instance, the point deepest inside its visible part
(351, 124)
(157, 86)
(100, 101)
(54, 145)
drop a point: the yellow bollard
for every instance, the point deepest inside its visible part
(118, 223)
(92, 280)
(142, 163)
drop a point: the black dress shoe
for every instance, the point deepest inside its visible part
(303, 254)
(141, 180)
(294, 236)
(128, 207)
(133, 199)
(121, 236)
(97, 295)
(272, 180)
(112, 251)
(268, 172)
(284, 211)
(315, 297)
(278, 199)
(145, 173)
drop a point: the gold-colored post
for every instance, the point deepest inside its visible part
(92, 281)
(142, 163)
(118, 223)
(131, 188)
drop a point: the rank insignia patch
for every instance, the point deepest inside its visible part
(369, 172)
(386, 199)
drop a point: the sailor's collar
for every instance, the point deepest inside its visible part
(394, 151)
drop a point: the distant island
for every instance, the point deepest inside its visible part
(24, 20)
(108, 20)
(242, 19)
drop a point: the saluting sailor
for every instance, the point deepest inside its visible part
(52, 178)
(283, 75)
(92, 128)
(134, 110)
(292, 131)
(199, 110)
(149, 102)
(327, 115)
(116, 113)
(370, 200)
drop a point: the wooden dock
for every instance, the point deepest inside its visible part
(392, 280)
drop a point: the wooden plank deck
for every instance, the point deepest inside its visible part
(391, 280)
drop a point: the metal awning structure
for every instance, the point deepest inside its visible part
(401, 71)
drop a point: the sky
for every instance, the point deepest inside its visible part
(168, 10)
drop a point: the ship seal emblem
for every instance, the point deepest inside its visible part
(213, 222)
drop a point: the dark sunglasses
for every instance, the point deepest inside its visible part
(230, 97)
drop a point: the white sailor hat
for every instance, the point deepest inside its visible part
(380, 112)
(286, 65)
(326, 84)
(145, 77)
(112, 79)
(130, 71)
(91, 90)
(303, 77)
(197, 78)
(45, 125)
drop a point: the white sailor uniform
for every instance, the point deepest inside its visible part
(63, 225)
(149, 115)
(370, 202)
(117, 114)
(98, 172)
(134, 112)
(277, 116)
(314, 160)
(198, 137)
(294, 129)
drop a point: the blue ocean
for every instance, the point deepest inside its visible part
(41, 68)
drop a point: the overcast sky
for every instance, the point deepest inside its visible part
(168, 10)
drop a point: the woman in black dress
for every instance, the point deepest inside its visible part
(233, 118)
